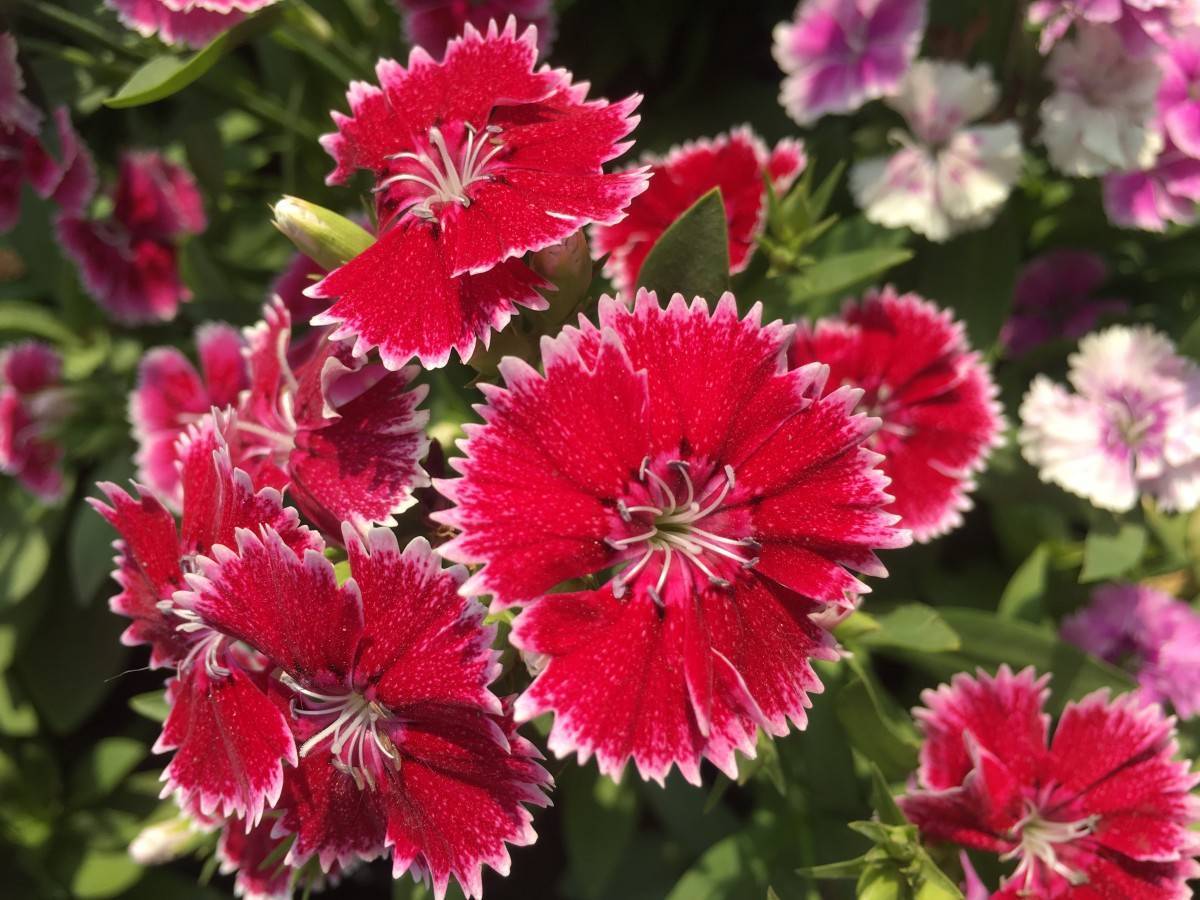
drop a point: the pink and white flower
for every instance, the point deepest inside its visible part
(129, 261)
(1167, 192)
(1131, 427)
(1141, 24)
(738, 163)
(192, 23)
(1152, 633)
(403, 749)
(432, 24)
(1179, 92)
(344, 436)
(32, 403)
(219, 765)
(171, 395)
(947, 178)
(719, 498)
(1102, 115)
(839, 54)
(477, 160)
(1053, 299)
(933, 394)
(1101, 810)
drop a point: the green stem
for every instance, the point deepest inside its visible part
(78, 25)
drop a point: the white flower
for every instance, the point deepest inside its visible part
(946, 178)
(1101, 116)
(1131, 427)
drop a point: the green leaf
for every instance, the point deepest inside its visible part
(882, 881)
(166, 75)
(599, 817)
(1022, 597)
(875, 724)
(883, 800)
(1112, 550)
(103, 768)
(152, 705)
(103, 873)
(19, 317)
(849, 868)
(839, 273)
(692, 256)
(913, 626)
(24, 555)
(89, 542)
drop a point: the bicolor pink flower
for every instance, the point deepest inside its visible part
(16, 112)
(1150, 632)
(129, 261)
(432, 24)
(1179, 92)
(477, 160)
(1054, 299)
(1102, 115)
(220, 764)
(1101, 810)
(32, 403)
(344, 436)
(172, 395)
(189, 22)
(69, 182)
(934, 395)
(953, 177)
(839, 54)
(738, 163)
(1131, 427)
(403, 747)
(1168, 191)
(718, 497)
(1141, 24)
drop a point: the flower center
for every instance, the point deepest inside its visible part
(436, 175)
(1133, 418)
(1039, 841)
(209, 645)
(350, 722)
(669, 529)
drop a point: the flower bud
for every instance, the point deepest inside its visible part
(164, 841)
(568, 266)
(322, 235)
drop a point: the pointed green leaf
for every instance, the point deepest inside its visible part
(152, 705)
(1022, 597)
(692, 256)
(913, 626)
(838, 273)
(1112, 550)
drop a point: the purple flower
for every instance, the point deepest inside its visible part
(1131, 426)
(1151, 633)
(1179, 92)
(838, 54)
(1054, 299)
(1142, 24)
(1168, 191)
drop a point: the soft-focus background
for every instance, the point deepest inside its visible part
(78, 710)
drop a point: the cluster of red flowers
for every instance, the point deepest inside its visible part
(681, 500)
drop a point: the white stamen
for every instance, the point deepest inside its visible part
(445, 178)
(1038, 838)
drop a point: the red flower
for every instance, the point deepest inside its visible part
(344, 436)
(1102, 811)
(129, 262)
(738, 163)
(935, 396)
(171, 395)
(477, 160)
(403, 747)
(730, 493)
(31, 403)
(220, 766)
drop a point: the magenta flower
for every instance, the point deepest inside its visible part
(738, 163)
(432, 24)
(1152, 633)
(1054, 299)
(1179, 92)
(934, 395)
(190, 22)
(171, 395)
(838, 54)
(31, 405)
(1166, 192)
(718, 497)
(1142, 24)
(301, 274)
(129, 262)
(403, 749)
(1132, 427)
(342, 435)
(477, 160)
(1102, 810)
(245, 854)
(220, 766)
